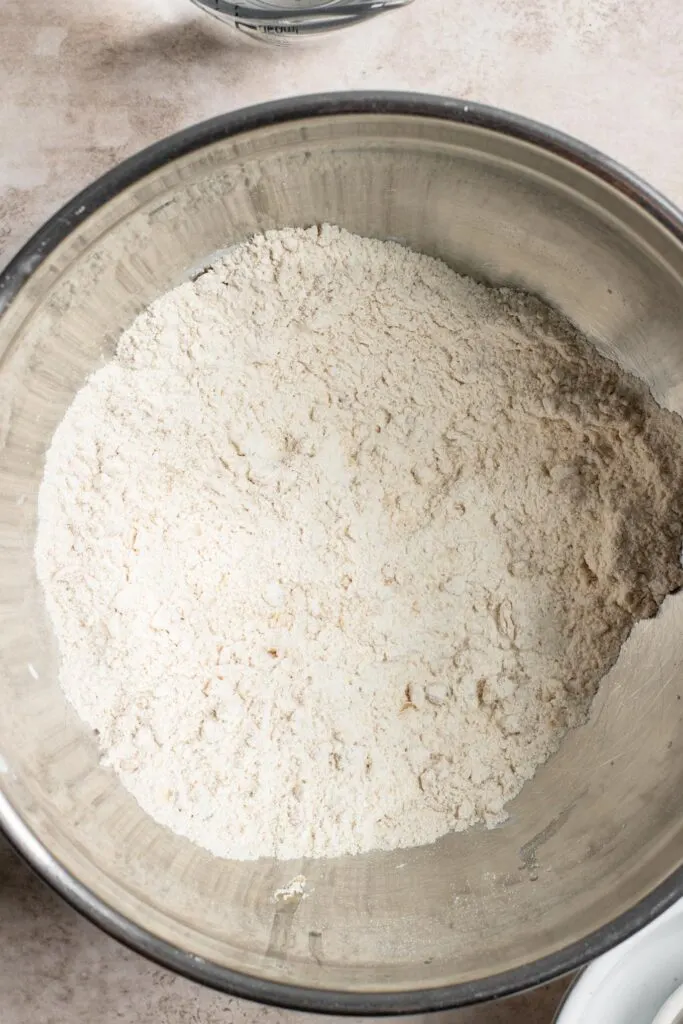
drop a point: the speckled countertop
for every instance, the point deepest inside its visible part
(85, 84)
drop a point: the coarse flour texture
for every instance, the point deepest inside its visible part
(341, 543)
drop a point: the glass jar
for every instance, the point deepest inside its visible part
(291, 20)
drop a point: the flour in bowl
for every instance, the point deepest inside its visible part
(341, 543)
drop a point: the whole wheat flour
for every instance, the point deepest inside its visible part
(341, 543)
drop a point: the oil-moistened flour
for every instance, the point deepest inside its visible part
(341, 543)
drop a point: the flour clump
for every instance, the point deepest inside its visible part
(341, 543)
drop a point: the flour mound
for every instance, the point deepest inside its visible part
(341, 543)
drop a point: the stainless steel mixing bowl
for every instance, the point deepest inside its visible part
(594, 844)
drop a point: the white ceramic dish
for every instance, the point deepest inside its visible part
(672, 1011)
(637, 982)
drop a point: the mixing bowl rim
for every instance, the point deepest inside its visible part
(13, 278)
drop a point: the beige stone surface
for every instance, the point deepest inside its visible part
(86, 83)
